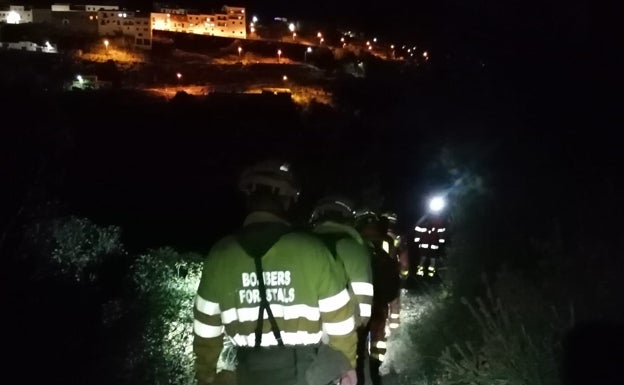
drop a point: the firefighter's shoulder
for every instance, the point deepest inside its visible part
(304, 242)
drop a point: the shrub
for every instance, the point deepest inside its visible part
(165, 283)
(443, 321)
(519, 340)
(82, 246)
(73, 249)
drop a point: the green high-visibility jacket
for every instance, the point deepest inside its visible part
(306, 292)
(354, 257)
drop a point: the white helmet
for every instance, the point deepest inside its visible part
(390, 217)
(365, 217)
(273, 174)
(335, 207)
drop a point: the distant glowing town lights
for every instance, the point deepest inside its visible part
(179, 76)
(254, 19)
(291, 27)
(284, 78)
(319, 35)
(374, 40)
(13, 18)
(425, 54)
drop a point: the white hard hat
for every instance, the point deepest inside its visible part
(333, 206)
(273, 174)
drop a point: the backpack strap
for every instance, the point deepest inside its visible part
(330, 240)
(257, 248)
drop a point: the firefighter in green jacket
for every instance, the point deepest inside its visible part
(275, 293)
(332, 219)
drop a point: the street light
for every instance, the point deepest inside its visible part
(106, 44)
(279, 55)
(294, 35)
(291, 27)
(305, 54)
(239, 52)
(254, 19)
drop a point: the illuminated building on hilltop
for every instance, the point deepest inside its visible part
(16, 14)
(231, 22)
(131, 24)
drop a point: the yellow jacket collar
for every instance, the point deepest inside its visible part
(331, 227)
(263, 216)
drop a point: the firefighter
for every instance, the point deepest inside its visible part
(431, 239)
(275, 292)
(397, 250)
(333, 219)
(386, 285)
(398, 245)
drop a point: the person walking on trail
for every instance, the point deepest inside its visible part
(386, 284)
(276, 293)
(332, 220)
(394, 245)
(431, 239)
